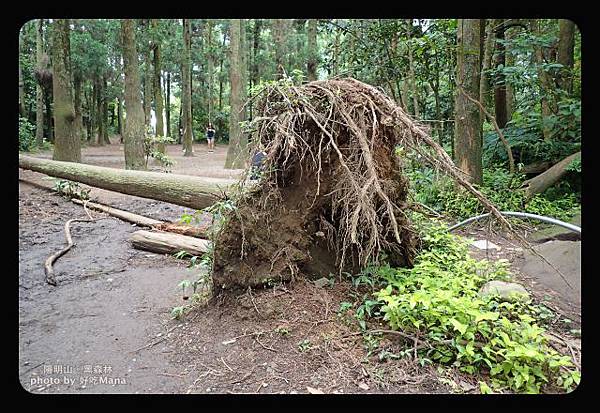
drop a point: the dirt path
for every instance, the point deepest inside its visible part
(112, 301)
(107, 324)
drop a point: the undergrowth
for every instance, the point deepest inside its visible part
(201, 266)
(500, 187)
(438, 301)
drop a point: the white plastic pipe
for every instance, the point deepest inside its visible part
(549, 220)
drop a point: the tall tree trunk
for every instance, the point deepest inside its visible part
(211, 68)
(486, 64)
(105, 109)
(120, 117)
(148, 78)
(500, 83)
(411, 72)
(39, 93)
(100, 111)
(221, 73)
(236, 152)
(49, 118)
(467, 146)
(279, 39)
(22, 110)
(566, 45)
(510, 90)
(67, 146)
(336, 53)
(168, 104)
(187, 90)
(313, 50)
(77, 104)
(158, 98)
(546, 87)
(134, 122)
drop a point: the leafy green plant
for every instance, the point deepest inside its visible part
(151, 144)
(70, 189)
(26, 135)
(304, 345)
(438, 300)
(283, 331)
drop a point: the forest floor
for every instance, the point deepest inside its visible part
(106, 327)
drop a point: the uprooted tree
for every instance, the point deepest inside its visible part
(333, 197)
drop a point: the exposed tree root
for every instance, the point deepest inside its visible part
(333, 197)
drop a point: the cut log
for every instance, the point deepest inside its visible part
(543, 181)
(167, 243)
(124, 215)
(185, 190)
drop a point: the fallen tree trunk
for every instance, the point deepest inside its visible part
(198, 232)
(185, 190)
(545, 180)
(167, 243)
(536, 167)
(124, 215)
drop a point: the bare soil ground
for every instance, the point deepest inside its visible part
(107, 324)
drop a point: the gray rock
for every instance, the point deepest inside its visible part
(506, 290)
(484, 244)
(322, 282)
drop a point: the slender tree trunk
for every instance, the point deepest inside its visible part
(100, 112)
(487, 62)
(467, 146)
(158, 99)
(336, 53)
(313, 50)
(120, 117)
(168, 104)
(77, 103)
(67, 146)
(187, 90)
(510, 90)
(49, 118)
(236, 152)
(22, 110)
(279, 39)
(545, 82)
(211, 68)
(134, 123)
(221, 72)
(39, 93)
(148, 78)
(411, 72)
(500, 83)
(566, 45)
(105, 109)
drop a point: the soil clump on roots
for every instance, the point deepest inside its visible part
(332, 197)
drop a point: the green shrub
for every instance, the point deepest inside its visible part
(26, 135)
(500, 187)
(438, 300)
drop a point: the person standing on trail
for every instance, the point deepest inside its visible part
(210, 137)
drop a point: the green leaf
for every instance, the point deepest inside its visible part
(458, 326)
